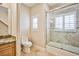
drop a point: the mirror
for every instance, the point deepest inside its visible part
(3, 21)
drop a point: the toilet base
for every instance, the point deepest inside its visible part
(26, 50)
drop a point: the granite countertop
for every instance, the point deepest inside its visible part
(7, 39)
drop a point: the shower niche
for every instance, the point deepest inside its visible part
(63, 30)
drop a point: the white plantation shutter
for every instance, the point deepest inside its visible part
(66, 22)
(69, 21)
(59, 22)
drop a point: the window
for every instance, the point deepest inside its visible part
(35, 23)
(69, 22)
(65, 22)
(59, 23)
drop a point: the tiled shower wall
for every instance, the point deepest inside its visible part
(70, 38)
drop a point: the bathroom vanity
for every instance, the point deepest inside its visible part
(7, 46)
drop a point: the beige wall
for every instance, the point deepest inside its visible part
(24, 22)
(38, 37)
(13, 19)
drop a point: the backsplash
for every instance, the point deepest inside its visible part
(3, 29)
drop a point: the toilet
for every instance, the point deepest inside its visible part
(26, 45)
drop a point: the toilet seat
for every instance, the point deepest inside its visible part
(27, 44)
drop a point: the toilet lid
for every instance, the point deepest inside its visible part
(24, 40)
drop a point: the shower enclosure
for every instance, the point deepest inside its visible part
(63, 28)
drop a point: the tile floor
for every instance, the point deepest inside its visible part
(36, 52)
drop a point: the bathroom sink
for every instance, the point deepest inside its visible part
(6, 40)
(2, 41)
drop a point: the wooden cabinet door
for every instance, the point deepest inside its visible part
(8, 49)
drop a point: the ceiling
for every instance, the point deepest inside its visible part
(30, 4)
(56, 5)
(50, 5)
(33, 4)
